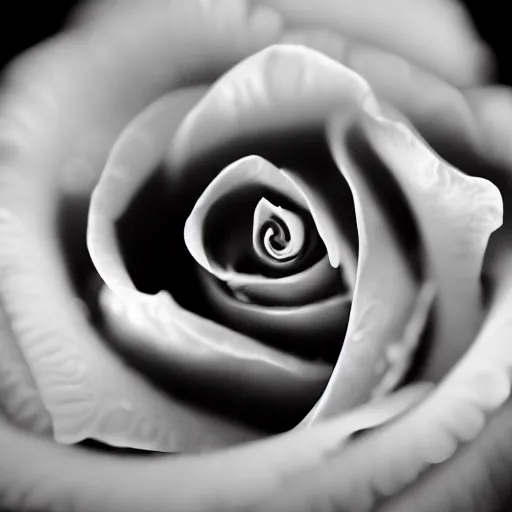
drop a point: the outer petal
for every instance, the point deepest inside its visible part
(38, 475)
(19, 397)
(273, 90)
(64, 104)
(437, 35)
(456, 214)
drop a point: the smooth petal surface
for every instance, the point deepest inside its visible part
(456, 214)
(383, 302)
(396, 456)
(437, 35)
(310, 329)
(273, 90)
(317, 282)
(476, 478)
(187, 343)
(451, 452)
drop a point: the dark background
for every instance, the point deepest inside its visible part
(24, 23)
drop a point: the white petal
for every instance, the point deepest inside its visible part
(456, 214)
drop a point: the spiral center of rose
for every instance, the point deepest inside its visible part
(262, 264)
(278, 233)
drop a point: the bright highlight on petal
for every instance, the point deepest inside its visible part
(274, 90)
(456, 214)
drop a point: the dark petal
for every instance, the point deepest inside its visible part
(314, 331)
(196, 359)
(317, 282)
(217, 245)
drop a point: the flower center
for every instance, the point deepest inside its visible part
(278, 234)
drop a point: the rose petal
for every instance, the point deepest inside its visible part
(181, 339)
(19, 397)
(313, 329)
(88, 390)
(285, 86)
(383, 302)
(455, 413)
(94, 88)
(476, 478)
(317, 282)
(257, 170)
(270, 92)
(436, 35)
(439, 112)
(263, 213)
(456, 214)
(251, 170)
(249, 477)
(460, 409)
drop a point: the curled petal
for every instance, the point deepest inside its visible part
(256, 170)
(251, 170)
(19, 397)
(156, 325)
(383, 302)
(66, 121)
(273, 90)
(456, 412)
(315, 283)
(308, 329)
(285, 86)
(285, 227)
(456, 214)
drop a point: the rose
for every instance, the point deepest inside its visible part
(283, 446)
(389, 309)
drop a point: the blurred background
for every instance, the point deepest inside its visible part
(23, 24)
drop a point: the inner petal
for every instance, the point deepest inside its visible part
(279, 235)
(213, 212)
(293, 296)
